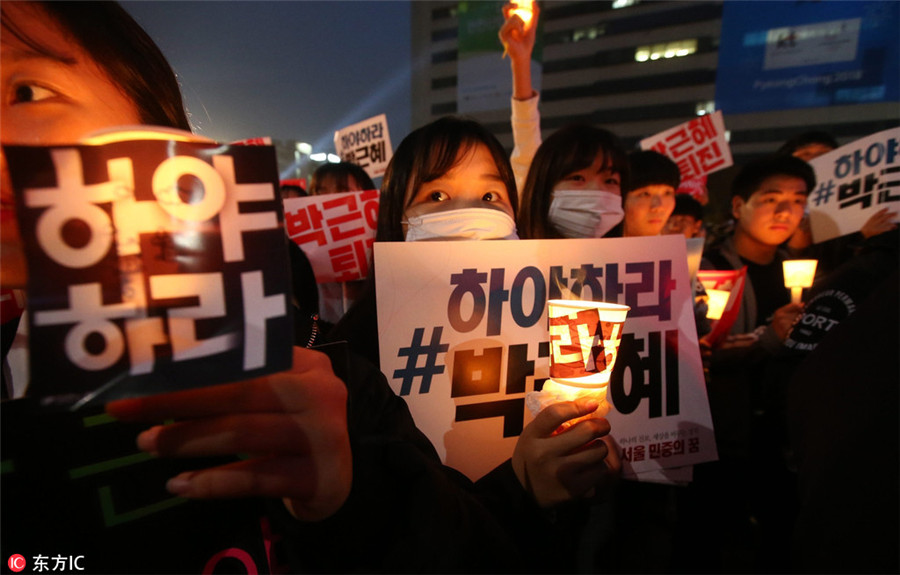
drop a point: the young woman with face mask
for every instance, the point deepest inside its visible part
(448, 180)
(451, 180)
(573, 189)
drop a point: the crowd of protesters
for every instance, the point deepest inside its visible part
(321, 468)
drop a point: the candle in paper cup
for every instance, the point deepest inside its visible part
(798, 274)
(584, 342)
(716, 303)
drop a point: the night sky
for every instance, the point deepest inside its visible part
(296, 70)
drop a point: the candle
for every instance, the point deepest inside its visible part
(715, 305)
(584, 343)
(524, 9)
(798, 274)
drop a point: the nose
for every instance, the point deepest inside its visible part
(783, 210)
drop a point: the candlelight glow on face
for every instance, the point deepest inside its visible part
(525, 10)
(798, 274)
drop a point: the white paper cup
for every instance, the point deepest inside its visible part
(584, 341)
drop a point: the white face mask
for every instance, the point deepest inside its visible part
(585, 213)
(461, 224)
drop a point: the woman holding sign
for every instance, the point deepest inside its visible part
(324, 487)
(451, 180)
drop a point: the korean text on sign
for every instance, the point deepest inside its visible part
(853, 182)
(466, 357)
(367, 144)
(153, 266)
(698, 146)
(335, 231)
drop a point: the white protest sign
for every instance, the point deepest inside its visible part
(852, 183)
(335, 231)
(366, 144)
(698, 146)
(463, 337)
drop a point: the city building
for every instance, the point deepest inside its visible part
(636, 68)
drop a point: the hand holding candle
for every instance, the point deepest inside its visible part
(518, 34)
(524, 9)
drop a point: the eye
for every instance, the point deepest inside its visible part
(614, 180)
(574, 178)
(491, 197)
(438, 196)
(27, 93)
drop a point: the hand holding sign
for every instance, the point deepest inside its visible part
(294, 423)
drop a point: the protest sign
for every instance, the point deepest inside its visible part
(698, 146)
(366, 144)
(154, 265)
(335, 231)
(463, 336)
(852, 183)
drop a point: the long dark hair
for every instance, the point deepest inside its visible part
(122, 49)
(569, 149)
(427, 154)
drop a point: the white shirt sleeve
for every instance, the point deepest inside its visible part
(526, 130)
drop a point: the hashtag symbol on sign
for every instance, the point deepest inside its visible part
(823, 193)
(416, 350)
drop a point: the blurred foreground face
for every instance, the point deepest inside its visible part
(56, 96)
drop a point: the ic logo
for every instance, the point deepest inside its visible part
(16, 563)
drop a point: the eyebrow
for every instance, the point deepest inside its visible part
(22, 55)
(32, 49)
(773, 191)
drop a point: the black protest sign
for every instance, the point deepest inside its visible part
(153, 266)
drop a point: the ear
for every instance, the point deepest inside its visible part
(737, 203)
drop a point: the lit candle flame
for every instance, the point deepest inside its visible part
(716, 304)
(525, 10)
(798, 274)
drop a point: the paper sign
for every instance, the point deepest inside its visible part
(153, 266)
(731, 281)
(366, 144)
(335, 231)
(853, 182)
(464, 335)
(698, 147)
(259, 141)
